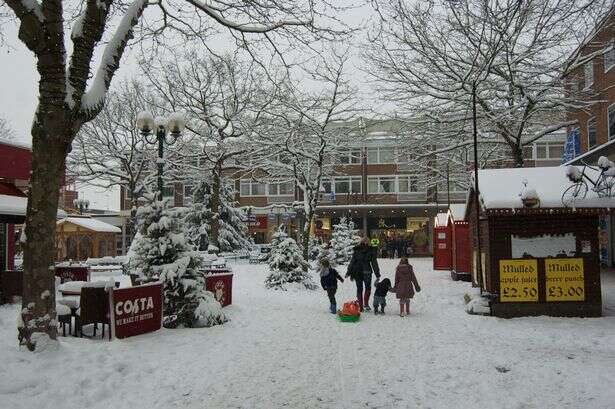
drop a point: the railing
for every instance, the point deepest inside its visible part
(412, 197)
(280, 199)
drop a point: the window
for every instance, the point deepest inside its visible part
(168, 191)
(381, 184)
(351, 156)
(407, 184)
(591, 132)
(609, 58)
(588, 74)
(528, 152)
(251, 188)
(281, 189)
(380, 155)
(549, 150)
(348, 184)
(611, 116)
(326, 186)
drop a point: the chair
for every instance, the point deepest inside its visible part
(93, 309)
(64, 318)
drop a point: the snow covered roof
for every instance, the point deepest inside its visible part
(13, 205)
(440, 219)
(502, 188)
(457, 211)
(91, 224)
(15, 143)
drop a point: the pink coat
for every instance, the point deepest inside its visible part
(405, 281)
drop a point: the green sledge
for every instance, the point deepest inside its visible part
(349, 318)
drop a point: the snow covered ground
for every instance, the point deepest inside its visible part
(285, 350)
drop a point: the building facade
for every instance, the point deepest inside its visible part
(595, 127)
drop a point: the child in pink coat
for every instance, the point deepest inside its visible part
(405, 285)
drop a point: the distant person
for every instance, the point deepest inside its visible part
(362, 265)
(382, 288)
(405, 286)
(328, 279)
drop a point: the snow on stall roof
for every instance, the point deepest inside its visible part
(502, 188)
(440, 219)
(15, 143)
(457, 211)
(91, 224)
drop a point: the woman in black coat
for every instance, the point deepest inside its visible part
(362, 265)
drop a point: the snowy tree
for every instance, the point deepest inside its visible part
(162, 252)
(315, 247)
(287, 265)
(306, 130)
(434, 57)
(343, 240)
(223, 97)
(70, 94)
(233, 233)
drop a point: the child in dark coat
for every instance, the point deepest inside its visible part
(328, 280)
(382, 288)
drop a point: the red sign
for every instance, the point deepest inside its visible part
(136, 310)
(221, 285)
(73, 273)
(259, 223)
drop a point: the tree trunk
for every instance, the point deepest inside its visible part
(305, 237)
(517, 153)
(38, 302)
(215, 207)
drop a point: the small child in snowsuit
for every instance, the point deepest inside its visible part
(328, 280)
(382, 288)
(405, 285)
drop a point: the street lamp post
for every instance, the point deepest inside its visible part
(173, 125)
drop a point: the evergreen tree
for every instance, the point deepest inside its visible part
(286, 264)
(196, 219)
(315, 247)
(233, 233)
(162, 252)
(343, 240)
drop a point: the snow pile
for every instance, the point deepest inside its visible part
(573, 174)
(287, 267)
(343, 240)
(604, 163)
(162, 252)
(476, 304)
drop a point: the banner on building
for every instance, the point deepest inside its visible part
(136, 310)
(565, 279)
(519, 280)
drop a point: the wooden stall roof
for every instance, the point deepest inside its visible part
(90, 224)
(501, 190)
(457, 212)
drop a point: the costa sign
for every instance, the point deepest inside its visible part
(136, 310)
(73, 273)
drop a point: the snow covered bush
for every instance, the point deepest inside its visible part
(343, 240)
(286, 264)
(162, 252)
(315, 247)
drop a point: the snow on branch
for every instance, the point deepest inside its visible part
(34, 7)
(94, 98)
(245, 27)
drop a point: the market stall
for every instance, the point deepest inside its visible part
(539, 250)
(460, 242)
(441, 243)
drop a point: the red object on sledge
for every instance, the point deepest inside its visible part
(351, 308)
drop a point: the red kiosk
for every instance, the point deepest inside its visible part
(461, 247)
(441, 243)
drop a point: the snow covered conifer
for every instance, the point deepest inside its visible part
(343, 240)
(163, 252)
(198, 217)
(286, 264)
